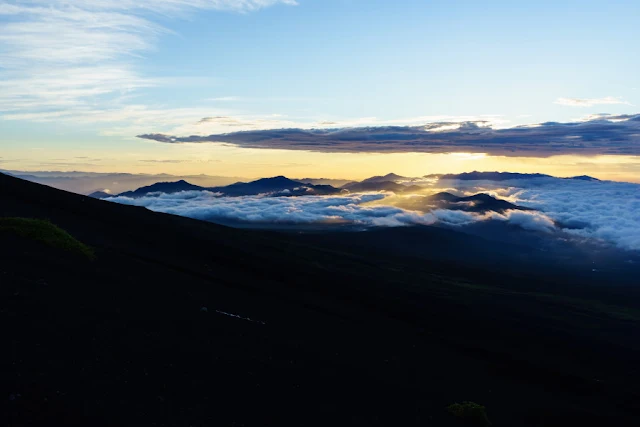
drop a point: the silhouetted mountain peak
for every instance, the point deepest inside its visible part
(393, 176)
(444, 196)
(386, 178)
(275, 184)
(480, 202)
(584, 178)
(276, 180)
(483, 197)
(163, 187)
(100, 195)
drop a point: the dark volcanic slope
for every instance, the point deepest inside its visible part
(178, 322)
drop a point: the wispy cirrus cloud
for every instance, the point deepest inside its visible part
(75, 61)
(225, 99)
(164, 161)
(591, 102)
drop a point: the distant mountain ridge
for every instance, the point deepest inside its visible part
(283, 186)
(502, 176)
(87, 183)
(469, 176)
(162, 187)
(280, 185)
(383, 181)
(337, 183)
(386, 178)
(277, 186)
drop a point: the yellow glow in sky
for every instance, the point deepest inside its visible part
(221, 160)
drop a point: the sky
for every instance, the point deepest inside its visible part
(82, 80)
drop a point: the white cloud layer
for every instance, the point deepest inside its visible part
(206, 205)
(603, 210)
(606, 210)
(352, 209)
(591, 102)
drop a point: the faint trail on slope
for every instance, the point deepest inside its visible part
(240, 317)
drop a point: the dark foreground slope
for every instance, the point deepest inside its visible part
(178, 322)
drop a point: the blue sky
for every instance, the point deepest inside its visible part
(86, 77)
(350, 59)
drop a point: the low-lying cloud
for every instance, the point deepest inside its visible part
(531, 221)
(605, 210)
(602, 210)
(602, 134)
(209, 206)
(355, 209)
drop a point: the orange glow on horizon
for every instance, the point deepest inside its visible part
(217, 160)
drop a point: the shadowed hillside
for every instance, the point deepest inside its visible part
(181, 322)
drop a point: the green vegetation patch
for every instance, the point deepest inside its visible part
(471, 413)
(45, 232)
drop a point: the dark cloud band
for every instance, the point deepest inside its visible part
(602, 135)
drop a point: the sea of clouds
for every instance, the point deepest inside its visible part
(354, 209)
(604, 210)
